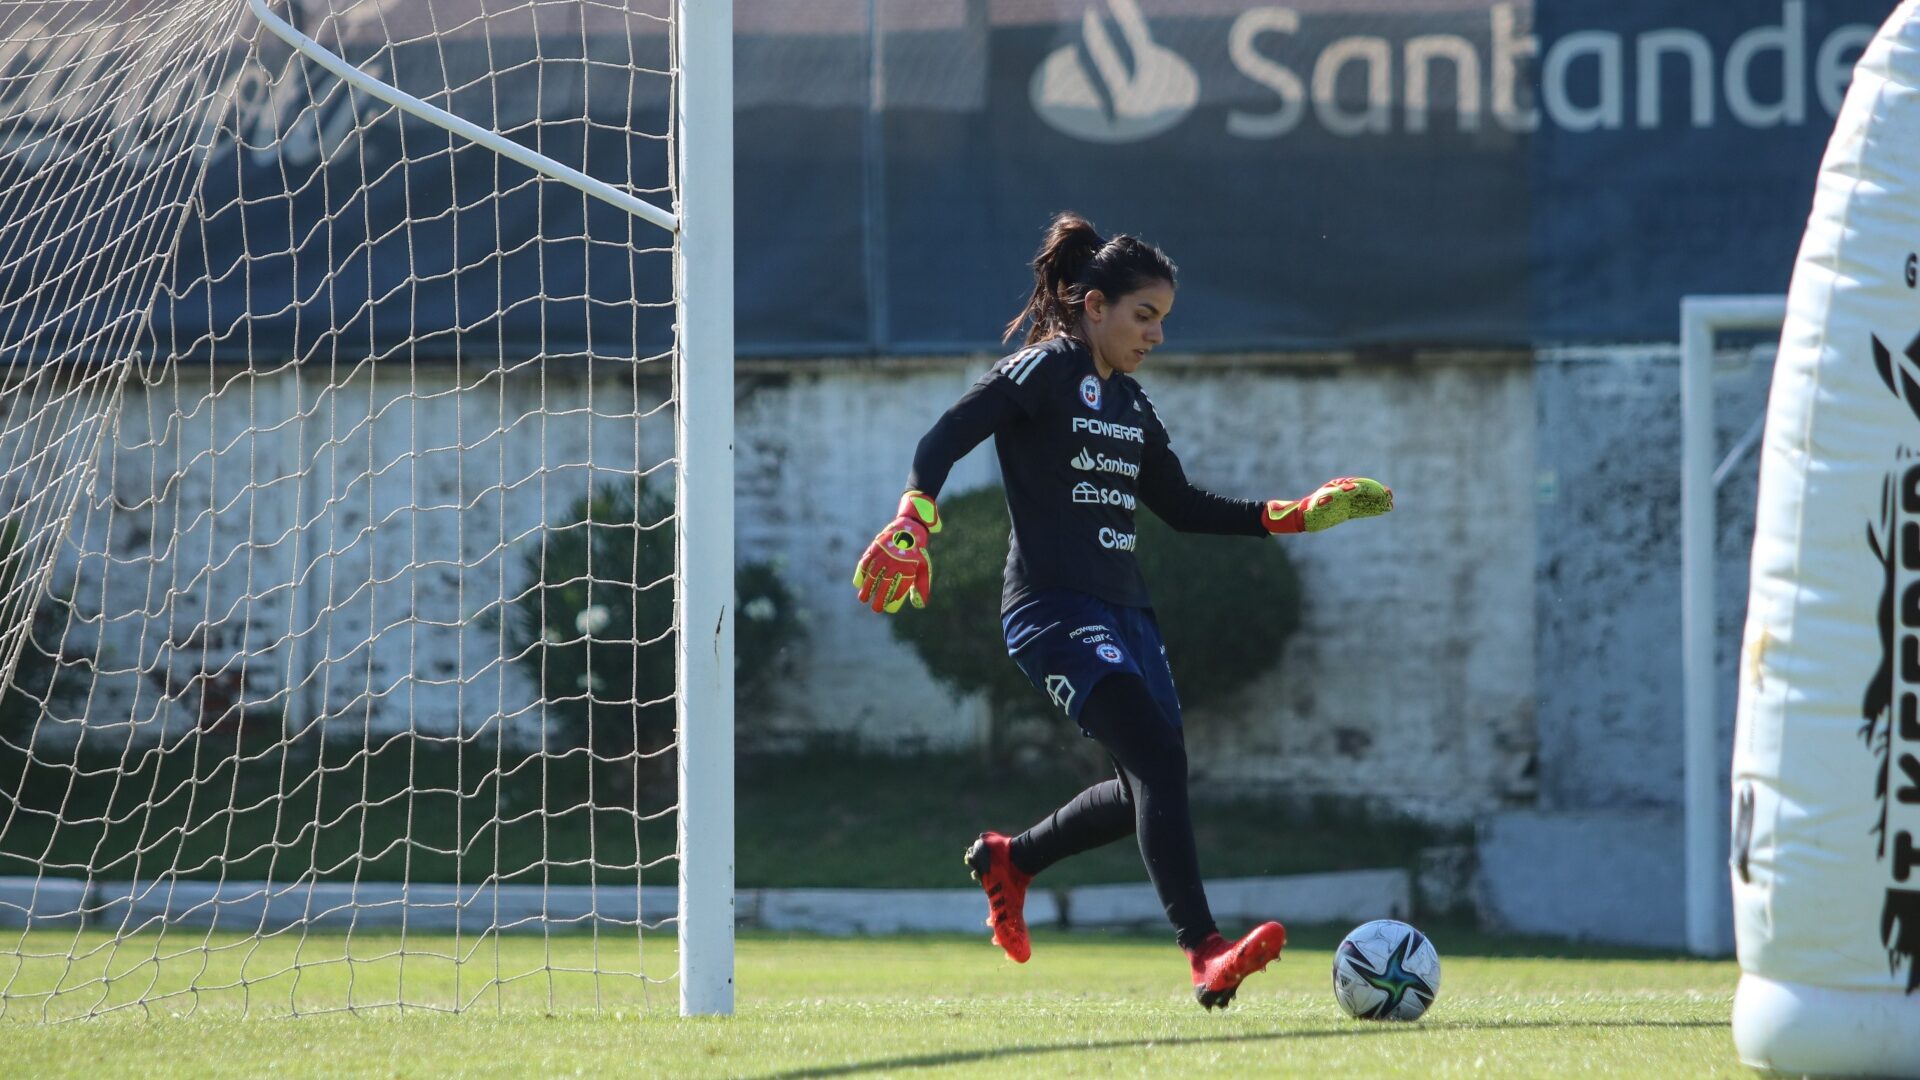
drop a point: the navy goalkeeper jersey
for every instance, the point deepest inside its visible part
(1078, 454)
(1071, 463)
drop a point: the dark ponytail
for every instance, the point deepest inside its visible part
(1073, 260)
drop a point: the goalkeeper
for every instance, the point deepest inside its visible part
(1079, 443)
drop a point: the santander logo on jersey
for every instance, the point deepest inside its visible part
(1114, 101)
(1086, 462)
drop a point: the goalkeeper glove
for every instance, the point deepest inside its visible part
(895, 568)
(1335, 501)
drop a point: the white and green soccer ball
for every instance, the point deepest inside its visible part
(1385, 970)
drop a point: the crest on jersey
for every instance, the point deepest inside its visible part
(1090, 392)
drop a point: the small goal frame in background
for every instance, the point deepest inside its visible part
(1702, 318)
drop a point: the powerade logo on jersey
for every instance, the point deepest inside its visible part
(1109, 430)
(1116, 540)
(1110, 653)
(1086, 462)
(1086, 493)
(1090, 392)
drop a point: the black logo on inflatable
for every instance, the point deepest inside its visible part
(1891, 708)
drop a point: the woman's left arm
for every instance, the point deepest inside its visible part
(1165, 489)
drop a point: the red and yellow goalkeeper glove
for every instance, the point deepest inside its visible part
(896, 568)
(1337, 500)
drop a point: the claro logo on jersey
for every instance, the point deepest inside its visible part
(1108, 429)
(1086, 462)
(1095, 495)
(1115, 540)
(1106, 95)
(1891, 707)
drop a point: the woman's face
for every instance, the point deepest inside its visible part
(1123, 331)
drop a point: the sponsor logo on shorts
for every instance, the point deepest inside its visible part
(1077, 631)
(1084, 492)
(1090, 392)
(1061, 691)
(1107, 429)
(1110, 653)
(1115, 540)
(1086, 462)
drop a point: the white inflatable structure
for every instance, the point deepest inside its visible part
(1826, 770)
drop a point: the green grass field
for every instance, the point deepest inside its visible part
(397, 813)
(1086, 1005)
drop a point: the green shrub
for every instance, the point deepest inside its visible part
(1226, 606)
(767, 628)
(38, 683)
(593, 625)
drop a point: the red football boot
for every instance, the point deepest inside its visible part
(1006, 886)
(1219, 967)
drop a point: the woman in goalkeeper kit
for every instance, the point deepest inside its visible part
(1079, 442)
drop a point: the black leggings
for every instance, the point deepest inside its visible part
(1147, 798)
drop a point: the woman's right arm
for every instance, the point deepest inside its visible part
(895, 569)
(978, 414)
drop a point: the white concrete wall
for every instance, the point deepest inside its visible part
(339, 541)
(1410, 683)
(317, 550)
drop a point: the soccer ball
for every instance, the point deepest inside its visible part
(1385, 970)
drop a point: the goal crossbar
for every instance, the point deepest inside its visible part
(466, 129)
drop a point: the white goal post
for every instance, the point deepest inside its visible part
(333, 455)
(1702, 318)
(704, 373)
(704, 436)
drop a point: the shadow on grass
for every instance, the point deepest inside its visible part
(966, 1057)
(1454, 938)
(1460, 938)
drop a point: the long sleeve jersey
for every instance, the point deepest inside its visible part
(1077, 453)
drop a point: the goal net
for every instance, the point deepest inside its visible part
(346, 379)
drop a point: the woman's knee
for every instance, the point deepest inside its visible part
(1162, 770)
(1123, 715)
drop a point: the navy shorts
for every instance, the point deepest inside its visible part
(1066, 641)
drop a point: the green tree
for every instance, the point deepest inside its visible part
(1226, 606)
